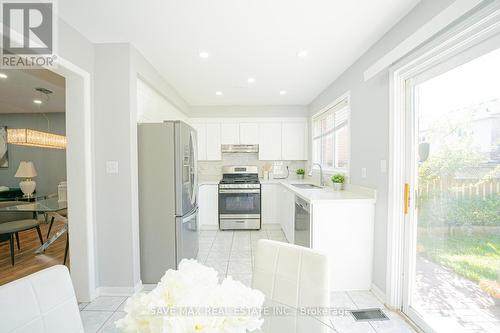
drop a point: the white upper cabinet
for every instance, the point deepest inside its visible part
(230, 133)
(201, 134)
(278, 140)
(213, 142)
(294, 141)
(270, 141)
(249, 133)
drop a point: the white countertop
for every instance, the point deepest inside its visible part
(326, 194)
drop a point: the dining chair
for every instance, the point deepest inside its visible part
(295, 276)
(11, 223)
(42, 302)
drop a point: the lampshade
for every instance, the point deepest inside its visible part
(26, 170)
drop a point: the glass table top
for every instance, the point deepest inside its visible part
(44, 205)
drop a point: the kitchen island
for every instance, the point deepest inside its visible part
(341, 225)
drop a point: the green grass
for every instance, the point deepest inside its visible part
(476, 257)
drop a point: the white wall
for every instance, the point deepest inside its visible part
(76, 56)
(147, 73)
(152, 107)
(117, 107)
(114, 218)
(370, 120)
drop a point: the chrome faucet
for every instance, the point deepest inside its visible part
(321, 180)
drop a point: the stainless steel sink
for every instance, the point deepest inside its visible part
(307, 186)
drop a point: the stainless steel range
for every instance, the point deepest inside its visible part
(239, 198)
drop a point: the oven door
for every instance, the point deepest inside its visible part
(239, 203)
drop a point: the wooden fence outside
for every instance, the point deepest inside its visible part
(460, 189)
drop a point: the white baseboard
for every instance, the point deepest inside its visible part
(265, 226)
(378, 293)
(271, 226)
(209, 227)
(119, 291)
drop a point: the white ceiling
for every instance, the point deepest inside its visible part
(244, 38)
(17, 91)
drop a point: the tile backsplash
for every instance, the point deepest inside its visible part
(213, 169)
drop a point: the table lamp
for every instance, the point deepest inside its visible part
(26, 171)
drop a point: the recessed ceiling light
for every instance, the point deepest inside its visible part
(251, 80)
(3, 76)
(203, 54)
(37, 101)
(283, 92)
(302, 53)
(218, 93)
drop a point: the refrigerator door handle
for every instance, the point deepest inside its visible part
(190, 216)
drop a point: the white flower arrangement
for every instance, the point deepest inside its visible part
(191, 299)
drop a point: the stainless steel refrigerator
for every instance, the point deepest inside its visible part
(168, 196)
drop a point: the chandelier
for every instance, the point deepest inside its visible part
(33, 138)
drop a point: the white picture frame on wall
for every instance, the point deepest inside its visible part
(4, 151)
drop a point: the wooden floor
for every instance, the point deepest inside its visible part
(26, 261)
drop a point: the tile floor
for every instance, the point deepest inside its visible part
(232, 253)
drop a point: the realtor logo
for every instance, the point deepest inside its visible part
(28, 34)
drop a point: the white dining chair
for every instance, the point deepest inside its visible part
(295, 276)
(42, 302)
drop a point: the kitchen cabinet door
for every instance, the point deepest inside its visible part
(249, 133)
(270, 141)
(270, 209)
(294, 141)
(288, 215)
(213, 142)
(230, 133)
(201, 135)
(208, 203)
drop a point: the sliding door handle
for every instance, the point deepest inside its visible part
(406, 198)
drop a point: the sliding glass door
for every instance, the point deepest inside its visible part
(452, 257)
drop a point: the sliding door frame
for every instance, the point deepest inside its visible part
(469, 37)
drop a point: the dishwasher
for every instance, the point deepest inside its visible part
(302, 223)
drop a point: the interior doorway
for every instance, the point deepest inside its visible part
(452, 226)
(33, 146)
(79, 166)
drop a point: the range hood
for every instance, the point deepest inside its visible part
(240, 148)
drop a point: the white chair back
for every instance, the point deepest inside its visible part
(41, 302)
(295, 276)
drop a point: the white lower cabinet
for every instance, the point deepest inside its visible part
(278, 207)
(287, 213)
(270, 210)
(208, 203)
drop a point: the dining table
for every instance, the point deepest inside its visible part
(43, 206)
